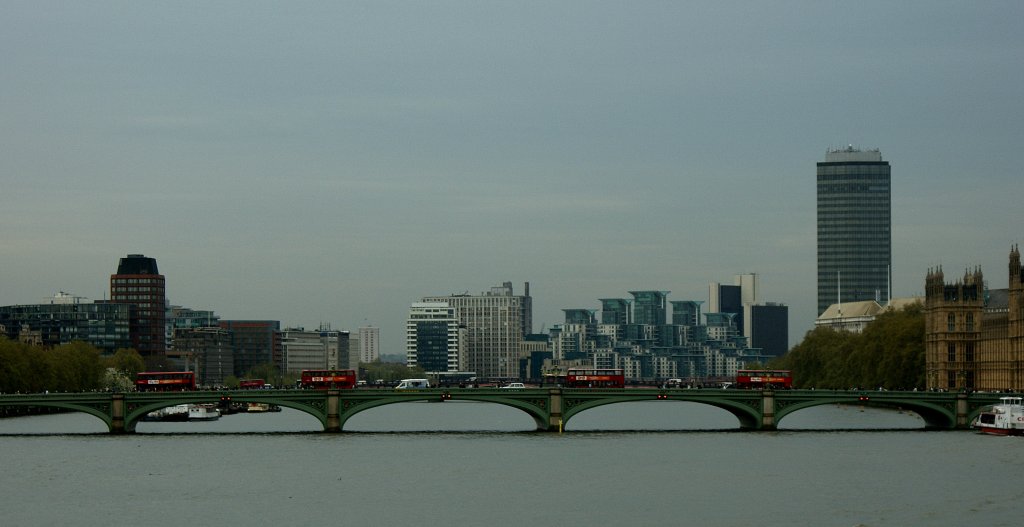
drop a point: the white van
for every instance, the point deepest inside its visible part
(412, 384)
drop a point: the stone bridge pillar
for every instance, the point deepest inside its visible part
(555, 410)
(961, 411)
(117, 414)
(333, 423)
(767, 410)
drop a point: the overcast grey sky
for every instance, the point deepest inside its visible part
(336, 161)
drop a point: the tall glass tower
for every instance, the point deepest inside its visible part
(854, 227)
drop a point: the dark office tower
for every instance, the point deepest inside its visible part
(139, 284)
(768, 327)
(854, 227)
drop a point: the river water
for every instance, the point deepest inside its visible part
(642, 463)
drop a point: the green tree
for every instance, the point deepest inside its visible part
(389, 371)
(76, 366)
(888, 354)
(15, 366)
(71, 367)
(127, 361)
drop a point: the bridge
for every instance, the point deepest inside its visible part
(551, 408)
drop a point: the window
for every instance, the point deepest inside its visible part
(951, 352)
(969, 322)
(951, 322)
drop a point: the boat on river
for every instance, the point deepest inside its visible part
(1005, 418)
(178, 412)
(203, 412)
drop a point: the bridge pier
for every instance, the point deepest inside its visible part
(117, 414)
(768, 410)
(961, 411)
(333, 422)
(555, 422)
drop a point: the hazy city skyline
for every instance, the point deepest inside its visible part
(337, 162)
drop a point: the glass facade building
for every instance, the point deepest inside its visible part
(854, 227)
(102, 324)
(649, 307)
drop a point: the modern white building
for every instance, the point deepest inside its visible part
(434, 338)
(495, 323)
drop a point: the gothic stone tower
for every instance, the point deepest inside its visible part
(1015, 320)
(953, 315)
(974, 338)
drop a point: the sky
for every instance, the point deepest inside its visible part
(334, 162)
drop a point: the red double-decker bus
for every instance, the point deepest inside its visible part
(595, 378)
(165, 381)
(251, 384)
(324, 379)
(756, 379)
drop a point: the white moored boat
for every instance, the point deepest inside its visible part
(1005, 418)
(203, 412)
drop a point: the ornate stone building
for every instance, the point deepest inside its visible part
(974, 337)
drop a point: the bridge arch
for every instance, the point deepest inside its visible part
(937, 414)
(99, 408)
(535, 408)
(747, 414)
(313, 404)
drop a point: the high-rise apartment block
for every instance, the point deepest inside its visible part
(854, 227)
(139, 284)
(496, 323)
(369, 343)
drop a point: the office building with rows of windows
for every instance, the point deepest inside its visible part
(139, 284)
(854, 227)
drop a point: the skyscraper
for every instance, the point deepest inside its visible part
(139, 284)
(854, 227)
